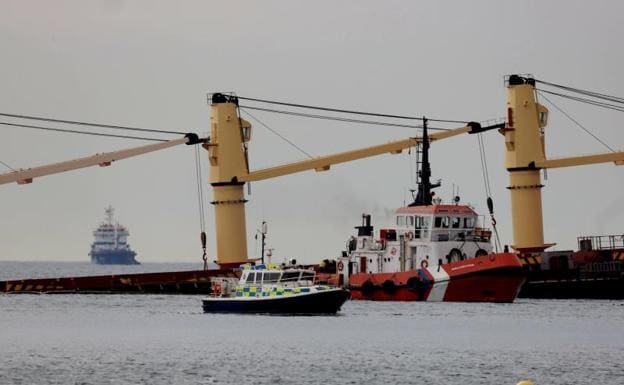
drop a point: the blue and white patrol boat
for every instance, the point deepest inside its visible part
(269, 289)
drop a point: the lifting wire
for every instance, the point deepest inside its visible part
(82, 132)
(488, 190)
(116, 127)
(576, 122)
(593, 94)
(608, 106)
(350, 111)
(278, 134)
(200, 199)
(7, 166)
(339, 119)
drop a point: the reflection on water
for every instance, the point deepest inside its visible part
(157, 339)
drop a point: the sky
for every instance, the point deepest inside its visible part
(152, 63)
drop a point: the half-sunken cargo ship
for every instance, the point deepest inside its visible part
(111, 243)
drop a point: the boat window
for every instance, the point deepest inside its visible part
(307, 276)
(401, 220)
(410, 221)
(290, 276)
(250, 278)
(258, 277)
(442, 222)
(469, 223)
(456, 222)
(271, 277)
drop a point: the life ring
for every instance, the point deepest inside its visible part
(410, 235)
(393, 251)
(340, 266)
(424, 264)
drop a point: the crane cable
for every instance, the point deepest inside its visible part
(488, 190)
(82, 132)
(577, 123)
(80, 123)
(7, 166)
(329, 109)
(339, 119)
(291, 143)
(593, 94)
(200, 201)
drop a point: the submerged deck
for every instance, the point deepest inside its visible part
(178, 282)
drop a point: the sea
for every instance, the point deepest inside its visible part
(167, 339)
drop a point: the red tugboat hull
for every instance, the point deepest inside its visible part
(490, 278)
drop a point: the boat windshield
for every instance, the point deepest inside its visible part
(290, 276)
(271, 277)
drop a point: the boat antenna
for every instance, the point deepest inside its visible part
(423, 173)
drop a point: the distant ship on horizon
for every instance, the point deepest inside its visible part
(111, 243)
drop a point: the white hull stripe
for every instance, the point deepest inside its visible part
(440, 283)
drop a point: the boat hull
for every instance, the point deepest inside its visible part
(326, 302)
(113, 257)
(490, 278)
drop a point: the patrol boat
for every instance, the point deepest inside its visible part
(269, 289)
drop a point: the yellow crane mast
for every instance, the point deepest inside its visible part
(525, 157)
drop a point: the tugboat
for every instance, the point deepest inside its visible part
(269, 289)
(111, 243)
(432, 252)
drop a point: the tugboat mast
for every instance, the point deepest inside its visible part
(423, 174)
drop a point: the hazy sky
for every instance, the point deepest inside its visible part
(150, 64)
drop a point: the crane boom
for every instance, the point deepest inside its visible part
(323, 163)
(104, 159)
(615, 157)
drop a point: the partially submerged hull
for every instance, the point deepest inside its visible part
(326, 302)
(490, 278)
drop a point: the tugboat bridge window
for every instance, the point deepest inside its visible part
(456, 222)
(401, 220)
(469, 223)
(250, 278)
(442, 222)
(422, 225)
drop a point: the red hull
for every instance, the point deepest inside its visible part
(491, 278)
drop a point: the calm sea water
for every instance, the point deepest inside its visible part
(157, 339)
